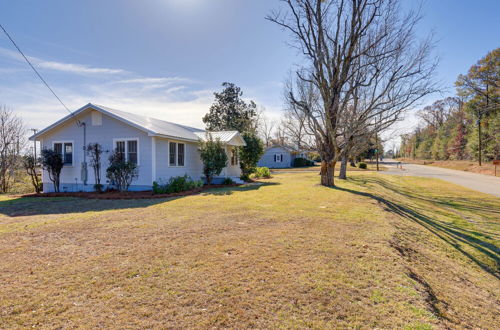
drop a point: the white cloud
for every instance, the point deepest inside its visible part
(149, 80)
(177, 99)
(76, 68)
(60, 66)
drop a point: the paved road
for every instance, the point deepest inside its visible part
(480, 182)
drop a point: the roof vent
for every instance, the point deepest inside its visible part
(96, 118)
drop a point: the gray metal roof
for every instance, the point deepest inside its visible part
(156, 126)
(224, 136)
(152, 126)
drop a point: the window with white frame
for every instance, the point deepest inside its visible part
(278, 158)
(128, 149)
(176, 154)
(234, 156)
(65, 149)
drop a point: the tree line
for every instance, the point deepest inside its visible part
(465, 126)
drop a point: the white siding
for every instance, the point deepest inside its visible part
(268, 159)
(151, 166)
(193, 165)
(104, 135)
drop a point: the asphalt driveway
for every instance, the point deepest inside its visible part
(483, 183)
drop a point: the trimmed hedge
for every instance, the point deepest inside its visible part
(176, 184)
(362, 166)
(301, 162)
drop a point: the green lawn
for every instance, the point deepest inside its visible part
(379, 251)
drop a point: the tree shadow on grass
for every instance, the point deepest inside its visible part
(231, 190)
(466, 204)
(454, 236)
(29, 206)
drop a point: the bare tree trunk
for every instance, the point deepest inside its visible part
(327, 173)
(362, 48)
(479, 141)
(343, 168)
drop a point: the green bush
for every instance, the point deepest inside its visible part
(176, 184)
(214, 157)
(362, 166)
(228, 181)
(120, 172)
(301, 162)
(262, 172)
(98, 187)
(250, 154)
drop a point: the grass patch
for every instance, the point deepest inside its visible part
(378, 251)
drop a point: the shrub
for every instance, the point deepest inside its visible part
(301, 162)
(176, 184)
(362, 166)
(262, 172)
(213, 156)
(228, 181)
(94, 151)
(98, 187)
(30, 165)
(53, 163)
(120, 172)
(250, 154)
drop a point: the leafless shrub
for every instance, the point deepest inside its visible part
(12, 141)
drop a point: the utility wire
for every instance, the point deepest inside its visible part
(37, 73)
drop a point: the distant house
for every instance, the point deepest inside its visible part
(277, 157)
(161, 149)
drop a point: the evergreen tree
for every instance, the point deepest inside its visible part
(230, 112)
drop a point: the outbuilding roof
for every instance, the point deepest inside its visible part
(153, 126)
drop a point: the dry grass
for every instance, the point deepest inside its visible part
(461, 165)
(379, 251)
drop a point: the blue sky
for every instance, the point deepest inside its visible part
(165, 58)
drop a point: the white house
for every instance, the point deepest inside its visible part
(277, 157)
(161, 149)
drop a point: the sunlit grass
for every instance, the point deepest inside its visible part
(378, 251)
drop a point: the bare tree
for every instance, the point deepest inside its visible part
(30, 164)
(436, 114)
(295, 127)
(279, 136)
(12, 140)
(266, 128)
(94, 151)
(351, 45)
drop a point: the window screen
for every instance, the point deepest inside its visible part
(180, 154)
(172, 153)
(68, 153)
(132, 151)
(120, 149)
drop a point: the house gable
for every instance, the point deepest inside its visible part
(276, 157)
(76, 119)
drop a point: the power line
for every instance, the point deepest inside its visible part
(37, 73)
